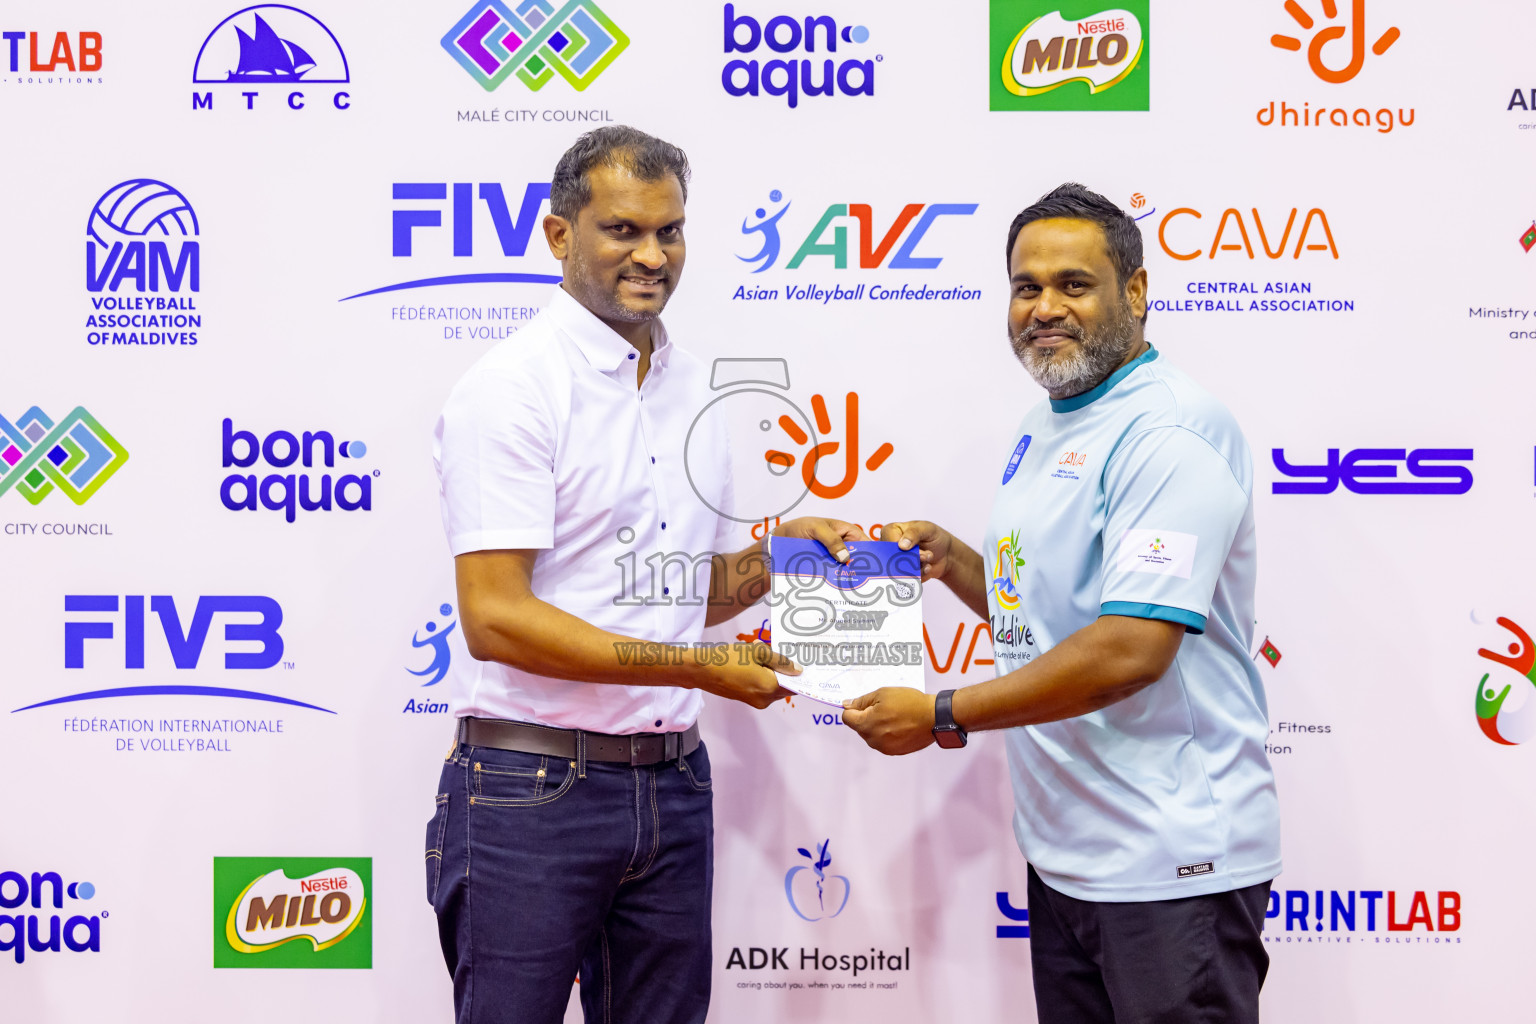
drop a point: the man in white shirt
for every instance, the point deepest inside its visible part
(574, 830)
(1118, 578)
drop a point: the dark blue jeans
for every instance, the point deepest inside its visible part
(540, 868)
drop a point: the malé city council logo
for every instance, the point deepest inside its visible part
(535, 41)
(1502, 720)
(1076, 57)
(74, 456)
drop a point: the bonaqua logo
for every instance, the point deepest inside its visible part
(1505, 721)
(789, 76)
(535, 41)
(75, 456)
(291, 492)
(29, 927)
(832, 891)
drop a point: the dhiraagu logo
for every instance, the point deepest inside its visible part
(1506, 709)
(1046, 56)
(1005, 572)
(292, 912)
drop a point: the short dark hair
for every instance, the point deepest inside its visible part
(1121, 235)
(645, 156)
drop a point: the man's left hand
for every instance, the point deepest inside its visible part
(893, 719)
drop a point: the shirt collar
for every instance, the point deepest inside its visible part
(601, 345)
(1093, 395)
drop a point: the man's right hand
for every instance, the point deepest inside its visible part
(932, 541)
(750, 675)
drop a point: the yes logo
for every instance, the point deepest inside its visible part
(1324, 36)
(831, 891)
(1008, 910)
(1079, 58)
(1502, 720)
(292, 912)
(1374, 471)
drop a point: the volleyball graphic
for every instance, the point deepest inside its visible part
(140, 207)
(1138, 200)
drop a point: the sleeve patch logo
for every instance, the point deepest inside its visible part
(1159, 552)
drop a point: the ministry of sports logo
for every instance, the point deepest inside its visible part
(535, 41)
(74, 456)
(1508, 722)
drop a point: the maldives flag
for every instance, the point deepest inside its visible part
(1529, 238)
(1270, 651)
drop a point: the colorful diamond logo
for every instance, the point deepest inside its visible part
(76, 455)
(534, 40)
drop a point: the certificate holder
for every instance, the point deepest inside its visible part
(852, 626)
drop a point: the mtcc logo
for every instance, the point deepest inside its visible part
(75, 456)
(271, 45)
(1503, 720)
(872, 250)
(1355, 30)
(21, 931)
(830, 894)
(535, 41)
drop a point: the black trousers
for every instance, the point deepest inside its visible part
(1184, 961)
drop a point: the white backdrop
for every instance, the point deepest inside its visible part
(1378, 602)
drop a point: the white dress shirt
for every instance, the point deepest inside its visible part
(547, 443)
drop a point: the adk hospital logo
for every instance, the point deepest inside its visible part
(275, 912)
(535, 40)
(831, 891)
(1081, 57)
(271, 55)
(143, 266)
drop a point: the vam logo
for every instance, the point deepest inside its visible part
(142, 236)
(535, 41)
(76, 456)
(1502, 720)
(292, 912)
(788, 76)
(290, 492)
(40, 933)
(271, 46)
(1085, 59)
(830, 894)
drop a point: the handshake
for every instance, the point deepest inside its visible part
(891, 719)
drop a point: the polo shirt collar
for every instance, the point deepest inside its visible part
(599, 343)
(1094, 394)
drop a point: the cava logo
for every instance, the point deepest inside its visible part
(266, 46)
(1074, 59)
(292, 912)
(535, 41)
(75, 456)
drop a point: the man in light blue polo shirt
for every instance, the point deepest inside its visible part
(1118, 577)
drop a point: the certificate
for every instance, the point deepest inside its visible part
(853, 626)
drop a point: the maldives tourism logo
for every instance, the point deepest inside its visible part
(1073, 58)
(535, 41)
(1355, 30)
(74, 456)
(292, 912)
(271, 45)
(1504, 720)
(1005, 577)
(832, 891)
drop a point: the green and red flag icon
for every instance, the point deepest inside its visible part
(1529, 238)
(1271, 653)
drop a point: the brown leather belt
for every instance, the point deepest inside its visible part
(639, 749)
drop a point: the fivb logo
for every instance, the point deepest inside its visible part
(535, 41)
(292, 912)
(20, 932)
(512, 233)
(271, 45)
(142, 232)
(290, 492)
(186, 642)
(75, 456)
(786, 76)
(871, 253)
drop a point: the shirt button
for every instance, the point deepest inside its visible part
(658, 723)
(631, 355)
(653, 460)
(663, 526)
(666, 590)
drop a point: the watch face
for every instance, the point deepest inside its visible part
(951, 739)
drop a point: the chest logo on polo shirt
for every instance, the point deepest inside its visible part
(1017, 457)
(1068, 465)
(1005, 571)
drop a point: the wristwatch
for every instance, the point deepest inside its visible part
(946, 733)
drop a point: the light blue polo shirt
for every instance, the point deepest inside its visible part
(1136, 498)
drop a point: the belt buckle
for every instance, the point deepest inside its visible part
(634, 750)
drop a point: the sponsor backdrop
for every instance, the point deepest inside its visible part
(247, 251)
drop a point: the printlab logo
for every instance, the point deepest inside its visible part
(273, 912)
(831, 891)
(1502, 720)
(1350, 916)
(271, 47)
(292, 492)
(75, 456)
(1355, 29)
(83, 55)
(578, 41)
(21, 932)
(1012, 913)
(785, 75)
(1375, 471)
(1043, 59)
(1005, 572)
(142, 236)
